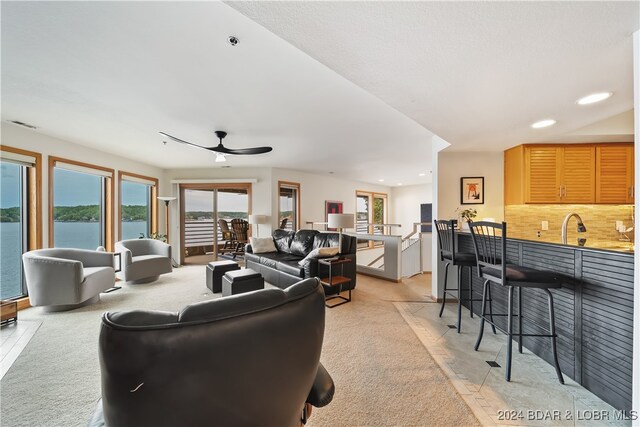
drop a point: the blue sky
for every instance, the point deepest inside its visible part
(9, 185)
(70, 188)
(75, 188)
(198, 200)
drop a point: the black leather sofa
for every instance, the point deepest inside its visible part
(281, 268)
(246, 360)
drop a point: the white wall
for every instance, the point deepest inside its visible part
(453, 165)
(405, 205)
(18, 137)
(315, 189)
(405, 208)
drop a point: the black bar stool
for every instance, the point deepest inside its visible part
(450, 256)
(490, 241)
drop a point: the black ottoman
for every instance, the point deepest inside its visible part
(240, 281)
(215, 271)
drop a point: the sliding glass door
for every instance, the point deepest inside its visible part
(208, 212)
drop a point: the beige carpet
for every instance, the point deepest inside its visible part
(383, 374)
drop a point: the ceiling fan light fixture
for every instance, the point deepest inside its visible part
(593, 98)
(220, 158)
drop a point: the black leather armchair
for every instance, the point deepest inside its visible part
(250, 359)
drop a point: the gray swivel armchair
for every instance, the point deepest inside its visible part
(60, 279)
(251, 359)
(143, 260)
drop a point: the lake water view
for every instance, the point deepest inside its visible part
(82, 235)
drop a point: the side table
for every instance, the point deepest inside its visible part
(117, 268)
(8, 311)
(336, 281)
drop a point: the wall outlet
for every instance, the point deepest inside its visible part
(619, 225)
(545, 226)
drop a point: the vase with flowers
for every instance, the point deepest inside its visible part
(466, 216)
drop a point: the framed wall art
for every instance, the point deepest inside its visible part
(472, 190)
(331, 206)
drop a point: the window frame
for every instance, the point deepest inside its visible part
(295, 186)
(34, 208)
(107, 203)
(154, 200)
(372, 195)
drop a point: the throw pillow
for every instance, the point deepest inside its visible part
(262, 245)
(319, 253)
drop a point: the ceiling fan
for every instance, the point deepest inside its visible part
(220, 149)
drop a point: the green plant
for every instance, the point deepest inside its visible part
(467, 214)
(156, 236)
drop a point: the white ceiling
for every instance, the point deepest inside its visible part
(110, 75)
(475, 73)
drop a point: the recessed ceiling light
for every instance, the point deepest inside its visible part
(593, 98)
(381, 180)
(399, 183)
(543, 123)
(421, 174)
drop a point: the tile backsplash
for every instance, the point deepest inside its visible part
(525, 221)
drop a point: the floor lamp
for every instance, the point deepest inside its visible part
(340, 221)
(167, 200)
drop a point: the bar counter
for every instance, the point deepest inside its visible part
(594, 312)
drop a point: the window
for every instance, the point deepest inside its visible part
(20, 216)
(289, 205)
(138, 205)
(80, 205)
(371, 209)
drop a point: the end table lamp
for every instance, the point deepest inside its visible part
(257, 220)
(340, 221)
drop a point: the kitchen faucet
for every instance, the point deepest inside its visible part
(581, 227)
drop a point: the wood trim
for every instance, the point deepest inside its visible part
(35, 197)
(23, 303)
(154, 200)
(299, 204)
(210, 186)
(109, 191)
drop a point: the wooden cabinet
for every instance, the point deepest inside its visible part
(614, 173)
(542, 174)
(578, 174)
(569, 173)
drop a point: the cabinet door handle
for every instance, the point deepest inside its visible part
(560, 191)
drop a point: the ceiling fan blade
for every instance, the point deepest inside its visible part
(221, 148)
(242, 151)
(181, 141)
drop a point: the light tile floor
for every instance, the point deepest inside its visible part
(534, 397)
(14, 337)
